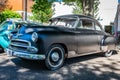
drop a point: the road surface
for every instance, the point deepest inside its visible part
(90, 67)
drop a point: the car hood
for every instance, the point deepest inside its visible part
(3, 31)
(30, 29)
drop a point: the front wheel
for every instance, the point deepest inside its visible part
(1, 50)
(23, 59)
(55, 57)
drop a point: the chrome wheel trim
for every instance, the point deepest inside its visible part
(61, 57)
(108, 53)
(55, 56)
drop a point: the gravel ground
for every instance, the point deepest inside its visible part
(90, 67)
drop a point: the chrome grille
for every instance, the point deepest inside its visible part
(19, 45)
(18, 48)
(20, 42)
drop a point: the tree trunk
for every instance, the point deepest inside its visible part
(88, 7)
(91, 7)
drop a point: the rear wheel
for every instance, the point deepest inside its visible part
(55, 57)
(108, 53)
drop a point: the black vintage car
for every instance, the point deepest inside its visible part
(66, 36)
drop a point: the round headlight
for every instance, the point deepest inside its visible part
(34, 37)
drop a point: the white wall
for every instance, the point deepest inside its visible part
(61, 9)
(107, 11)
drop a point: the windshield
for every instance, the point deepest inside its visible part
(64, 22)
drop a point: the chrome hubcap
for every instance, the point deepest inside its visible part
(55, 56)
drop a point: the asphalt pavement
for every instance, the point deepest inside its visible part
(90, 67)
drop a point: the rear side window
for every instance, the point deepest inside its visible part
(87, 24)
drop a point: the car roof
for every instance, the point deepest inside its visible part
(72, 15)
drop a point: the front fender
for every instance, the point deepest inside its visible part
(3, 42)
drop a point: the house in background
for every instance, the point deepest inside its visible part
(19, 6)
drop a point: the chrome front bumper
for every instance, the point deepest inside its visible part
(25, 55)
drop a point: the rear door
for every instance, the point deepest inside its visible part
(87, 37)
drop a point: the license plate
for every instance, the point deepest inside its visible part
(9, 52)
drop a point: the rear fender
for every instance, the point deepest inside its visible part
(108, 43)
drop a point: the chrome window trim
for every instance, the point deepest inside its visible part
(92, 20)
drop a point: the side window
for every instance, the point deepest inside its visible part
(87, 24)
(61, 23)
(97, 27)
(10, 26)
(64, 22)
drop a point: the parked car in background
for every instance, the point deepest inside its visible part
(66, 36)
(111, 29)
(8, 29)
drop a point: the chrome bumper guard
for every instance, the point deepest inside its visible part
(25, 55)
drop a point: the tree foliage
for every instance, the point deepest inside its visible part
(4, 5)
(8, 14)
(42, 10)
(85, 7)
(96, 9)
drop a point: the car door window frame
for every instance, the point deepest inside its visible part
(98, 26)
(81, 23)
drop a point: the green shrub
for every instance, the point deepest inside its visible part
(42, 11)
(8, 14)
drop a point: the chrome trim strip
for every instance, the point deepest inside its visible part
(19, 45)
(25, 55)
(102, 42)
(19, 35)
(26, 50)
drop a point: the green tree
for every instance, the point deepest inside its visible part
(42, 10)
(8, 14)
(86, 7)
(96, 8)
